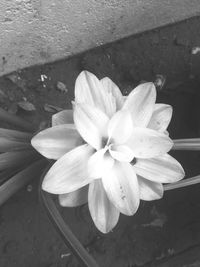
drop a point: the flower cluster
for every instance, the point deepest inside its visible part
(110, 151)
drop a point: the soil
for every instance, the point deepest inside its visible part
(163, 233)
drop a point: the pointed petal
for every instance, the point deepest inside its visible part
(54, 142)
(150, 190)
(121, 186)
(103, 212)
(111, 87)
(161, 117)
(140, 103)
(91, 123)
(99, 163)
(147, 143)
(75, 198)
(121, 153)
(112, 101)
(120, 127)
(63, 117)
(89, 90)
(69, 173)
(164, 169)
(110, 105)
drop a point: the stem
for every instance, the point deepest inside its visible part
(186, 144)
(64, 230)
(183, 183)
(13, 119)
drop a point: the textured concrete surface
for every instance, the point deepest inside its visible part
(40, 31)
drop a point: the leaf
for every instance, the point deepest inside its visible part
(7, 145)
(20, 179)
(17, 158)
(27, 106)
(17, 121)
(51, 108)
(15, 135)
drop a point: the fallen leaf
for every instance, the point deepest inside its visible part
(26, 106)
(51, 108)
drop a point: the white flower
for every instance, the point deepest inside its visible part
(116, 146)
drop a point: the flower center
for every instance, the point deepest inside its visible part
(133, 162)
(104, 142)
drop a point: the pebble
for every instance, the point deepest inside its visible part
(29, 188)
(43, 77)
(195, 50)
(62, 87)
(159, 81)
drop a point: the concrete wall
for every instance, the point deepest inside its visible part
(39, 31)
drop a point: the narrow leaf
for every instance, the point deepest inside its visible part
(17, 158)
(19, 180)
(15, 120)
(15, 135)
(7, 145)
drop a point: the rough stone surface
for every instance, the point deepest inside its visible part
(40, 31)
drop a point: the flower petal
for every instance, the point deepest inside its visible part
(54, 142)
(121, 153)
(89, 90)
(69, 173)
(140, 103)
(120, 127)
(75, 198)
(150, 190)
(91, 123)
(161, 117)
(99, 163)
(147, 143)
(111, 87)
(103, 212)
(164, 169)
(121, 186)
(63, 117)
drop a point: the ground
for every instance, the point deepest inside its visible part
(163, 233)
